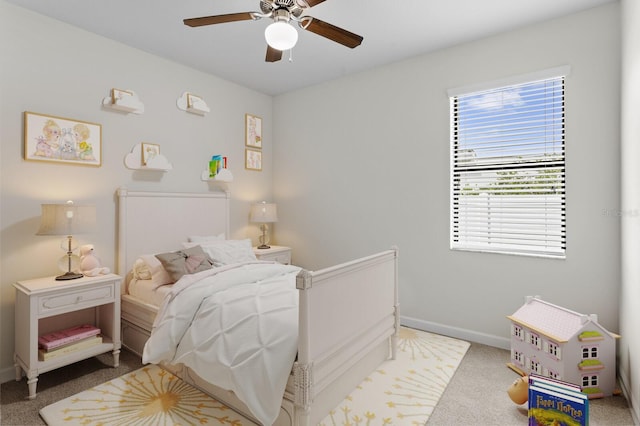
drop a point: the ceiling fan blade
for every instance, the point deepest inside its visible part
(273, 55)
(331, 32)
(312, 3)
(218, 19)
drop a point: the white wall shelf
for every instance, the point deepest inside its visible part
(224, 175)
(133, 161)
(123, 101)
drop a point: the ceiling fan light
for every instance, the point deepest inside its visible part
(281, 36)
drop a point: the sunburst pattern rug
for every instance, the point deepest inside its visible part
(400, 392)
(149, 396)
(403, 391)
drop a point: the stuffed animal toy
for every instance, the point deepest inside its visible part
(519, 390)
(89, 263)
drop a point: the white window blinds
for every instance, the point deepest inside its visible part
(508, 169)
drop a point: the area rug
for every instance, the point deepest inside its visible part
(149, 396)
(400, 392)
(403, 391)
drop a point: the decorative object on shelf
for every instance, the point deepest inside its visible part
(149, 152)
(264, 213)
(90, 264)
(253, 131)
(123, 100)
(252, 159)
(192, 103)
(62, 140)
(154, 161)
(67, 219)
(217, 170)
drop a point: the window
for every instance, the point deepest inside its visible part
(589, 352)
(534, 340)
(517, 332)
(508, 168)
(589, 381)
(553, 349)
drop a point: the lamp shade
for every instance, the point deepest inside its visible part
(263, 213)
(281, 36)
(66, 219)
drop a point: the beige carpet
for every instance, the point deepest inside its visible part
(400, 392)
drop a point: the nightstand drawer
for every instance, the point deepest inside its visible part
(77, 299)
(284, 258)
(278, 254)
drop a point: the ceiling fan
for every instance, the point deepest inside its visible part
(280, 35)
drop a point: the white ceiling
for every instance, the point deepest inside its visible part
(392, 30)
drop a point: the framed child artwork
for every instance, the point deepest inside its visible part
(62, 140)
(253, 159)
(253, 131)
(149, 152)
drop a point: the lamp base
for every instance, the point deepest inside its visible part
(264, 246)
(68, 276)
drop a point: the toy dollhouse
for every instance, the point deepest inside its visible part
(555, 342)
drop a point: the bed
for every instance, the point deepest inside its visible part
(347, 314)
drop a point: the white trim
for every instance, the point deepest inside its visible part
(562, 71)
(458, 333)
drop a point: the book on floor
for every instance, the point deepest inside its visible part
(44, 355)
(556, 402)
(60, 338)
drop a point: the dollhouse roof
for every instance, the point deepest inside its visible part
(554, 321)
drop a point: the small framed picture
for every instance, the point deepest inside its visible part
(193, 100)
(118, 95)
(252, 159)
(62, 140)
(253, 131)
(149, 152)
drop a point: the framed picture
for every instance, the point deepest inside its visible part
(252, 159)
(118, 95)
(149, 151)
(193, 100)
(253, 131)
(62, 140)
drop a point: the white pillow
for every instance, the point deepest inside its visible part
(205, 238)
(225, 252)
(148, 267)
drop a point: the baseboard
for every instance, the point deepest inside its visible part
(626, 392)
(458, 333)
(7, 374)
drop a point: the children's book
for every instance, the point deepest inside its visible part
(558, 403)
(64, 337)
(44, 355)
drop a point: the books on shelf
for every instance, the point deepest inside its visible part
(556, 402)
(67, 336)
(44, 355)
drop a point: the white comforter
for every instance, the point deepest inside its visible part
(236, 327)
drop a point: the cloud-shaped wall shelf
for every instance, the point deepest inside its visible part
(124, 100)
(192, 103)
(133, 161)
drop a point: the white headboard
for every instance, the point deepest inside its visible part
(156, 222)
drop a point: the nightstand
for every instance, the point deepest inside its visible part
(279, 254)
(45, 305)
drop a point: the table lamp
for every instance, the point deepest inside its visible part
(264, 213)
(67, 219)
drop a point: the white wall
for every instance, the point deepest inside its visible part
(629, 348)
(362, 163)
(52, 68)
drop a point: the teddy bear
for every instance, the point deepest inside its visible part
(89, 263)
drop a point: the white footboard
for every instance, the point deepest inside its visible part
(348, 322)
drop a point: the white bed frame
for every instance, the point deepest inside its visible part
(348, 314)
